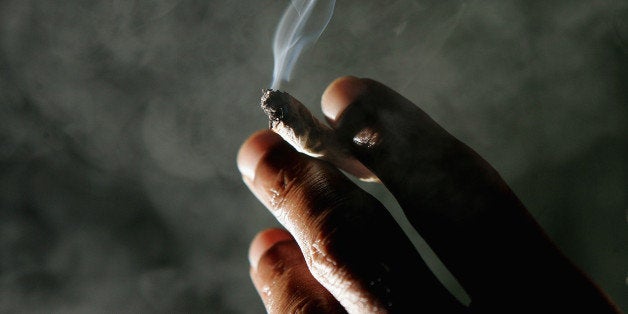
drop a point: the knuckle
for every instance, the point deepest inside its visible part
(324, 264)
(319, 257)
(369, 138)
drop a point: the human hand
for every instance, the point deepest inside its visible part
(342, 250)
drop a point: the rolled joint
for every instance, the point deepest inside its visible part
(289, 118)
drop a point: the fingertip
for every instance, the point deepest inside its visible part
(253, 149)
(264, 241)
(340, 94)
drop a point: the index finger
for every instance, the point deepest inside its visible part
(457, 202)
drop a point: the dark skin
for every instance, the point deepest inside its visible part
(343, 252)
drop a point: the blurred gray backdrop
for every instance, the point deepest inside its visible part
(120, 121)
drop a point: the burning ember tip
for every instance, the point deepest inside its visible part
(275, 105)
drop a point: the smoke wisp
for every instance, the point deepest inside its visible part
(302, 24)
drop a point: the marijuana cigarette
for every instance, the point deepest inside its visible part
(289, 118)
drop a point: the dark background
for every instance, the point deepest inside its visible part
(120, 122)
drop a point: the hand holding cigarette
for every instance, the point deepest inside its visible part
(343, 252)
(289, 118)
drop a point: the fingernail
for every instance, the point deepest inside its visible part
(264, 241)
(340, 94)
(253, 150)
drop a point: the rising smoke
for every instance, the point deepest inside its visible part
(120, 121)
(301, 25)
